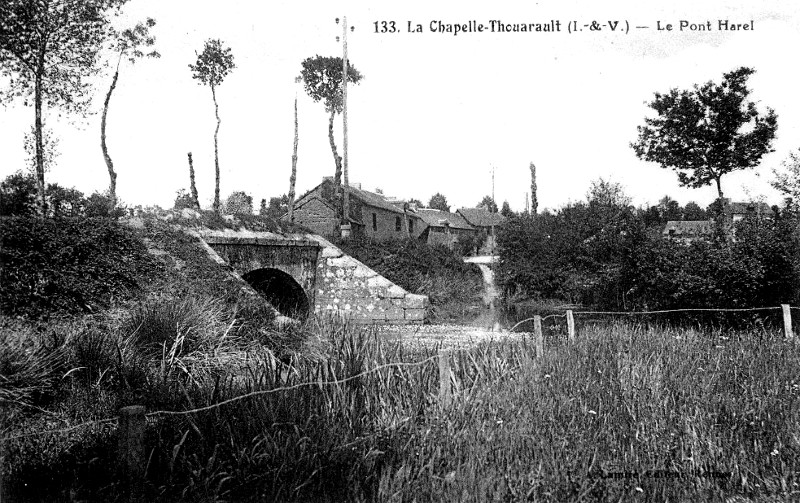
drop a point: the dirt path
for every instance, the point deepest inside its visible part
(455, 336)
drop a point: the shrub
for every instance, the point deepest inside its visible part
(53, 266)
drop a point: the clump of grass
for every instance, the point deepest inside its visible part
(30, 366)
(181, 325)
(623, 399)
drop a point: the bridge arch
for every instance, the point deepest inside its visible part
(281, 290)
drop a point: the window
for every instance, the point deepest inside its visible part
(397, 224)
(410, 226)
(374, 222)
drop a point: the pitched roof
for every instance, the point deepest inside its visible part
(437, 218)
(689, 228)
(366, 197)
(480, 217)
(744, 208)
(375, 200)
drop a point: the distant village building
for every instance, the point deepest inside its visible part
(486, 222)
(444, 228)
(688, 230)
(691, 230)
(372, 215)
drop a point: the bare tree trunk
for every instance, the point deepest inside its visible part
(337, 178)
(40, 188)
(534, 199)
(293, 178)
(192, 186)
(216, 152)
(112, 187)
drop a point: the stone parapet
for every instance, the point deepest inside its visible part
(347, 287)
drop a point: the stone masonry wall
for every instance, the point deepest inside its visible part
(347, 287)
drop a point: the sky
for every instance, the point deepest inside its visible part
(435, 112)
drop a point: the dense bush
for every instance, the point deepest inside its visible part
(611, 259)
(55, 266)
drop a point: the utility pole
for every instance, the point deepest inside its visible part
(495, 202)
(345, 194)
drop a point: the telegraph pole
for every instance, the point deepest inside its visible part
(345, 194)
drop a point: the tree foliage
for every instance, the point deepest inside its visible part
(488, 204)
(438, 202)
(707, 132)
(323, 78)
(239, 203)
(787, 178)
(18, 198)
(48, 49)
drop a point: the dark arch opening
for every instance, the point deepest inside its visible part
(281, 290)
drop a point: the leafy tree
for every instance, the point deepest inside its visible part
(438, 202)
(506, 210)
(787, 178)
(322, 77)
(211, 68)
(183, 200)
(101, 205)
(707, 132)
(278, 206)
(18, 197)
(488, 204)
(48, 49)
(607, 193)
(65, 202)
(693, 211)
(129, 44)
(239, 203)
(416, 202)
(669, 209)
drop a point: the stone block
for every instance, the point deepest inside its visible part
(395, 292)
(342, 261)
(415, 301)
(378, 281)
(394, 313)
(416, 314)
(331, 252)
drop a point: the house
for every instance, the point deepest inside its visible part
(688, 230)
(738, 211)
(486, 222)
(372, 215)
(691, 230)
(443, 227)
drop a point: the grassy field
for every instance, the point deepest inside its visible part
(625, 413)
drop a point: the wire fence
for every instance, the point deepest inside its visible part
(155, 414)
(568, 315)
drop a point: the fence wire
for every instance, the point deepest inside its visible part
(157, 413)
(154, 414)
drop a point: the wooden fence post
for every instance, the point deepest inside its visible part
(537, 336)
(445, 390)
(570, 325)
(131, 450)
(787, 321)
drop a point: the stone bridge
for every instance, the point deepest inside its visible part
(304, 274)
